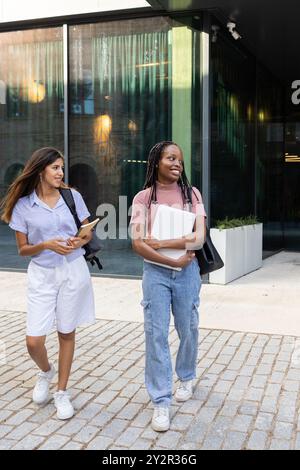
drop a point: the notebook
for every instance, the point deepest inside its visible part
(171, 223)
(85, 229)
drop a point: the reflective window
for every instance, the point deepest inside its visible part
(269, 160)
(132, 83)
(247, 141)
(31, 109)
(292, 171)
(233, 132)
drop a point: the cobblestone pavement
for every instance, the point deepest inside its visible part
(246, 396)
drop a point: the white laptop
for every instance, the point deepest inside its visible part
(171, 223)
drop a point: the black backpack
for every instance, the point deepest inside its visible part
(91, 248)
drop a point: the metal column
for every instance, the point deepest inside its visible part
(205, 111)
(66, 99)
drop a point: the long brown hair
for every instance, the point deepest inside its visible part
(28, 180)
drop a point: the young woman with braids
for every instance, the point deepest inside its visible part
(166, 183)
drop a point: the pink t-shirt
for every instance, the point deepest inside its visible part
(169, 195)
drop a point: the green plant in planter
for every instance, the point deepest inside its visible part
(238, 222)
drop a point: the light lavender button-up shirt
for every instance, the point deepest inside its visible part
(39, 222)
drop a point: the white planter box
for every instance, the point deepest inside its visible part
(241, 250)
(253, 247)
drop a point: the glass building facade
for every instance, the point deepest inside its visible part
(105, 92)
(232, 136)
(291, 195)
(31, 110)
(131, 83)
(247, 141)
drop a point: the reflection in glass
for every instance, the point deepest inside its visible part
(131, 85)
(247, 141)
(291, 197)
(31, 109)
(269, 161)
(232, 158)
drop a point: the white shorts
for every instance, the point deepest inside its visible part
(59, 298)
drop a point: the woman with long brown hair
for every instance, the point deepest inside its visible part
(59, 294)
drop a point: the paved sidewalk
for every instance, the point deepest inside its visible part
(247, 390)
(265, 301)
(247, 394)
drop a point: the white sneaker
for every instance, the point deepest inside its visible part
(185, 391)
(161, 420)
(40, 392)
(63, 405)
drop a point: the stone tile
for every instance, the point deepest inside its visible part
(29, 442)
(4, 430)
(129, 411)
(212, 442)
(191, 407)
(169, 440)
(49, 427)
(249, 408)
(21, 431)
(144, 417)
(234, 440)
(19, 417)
(128, 437)
(286, 414)
(268, 405)
(7, 444)
(223, 386)
(264, 421)
(279, 444)
(117, 404)
(114, 428)
(55, 442)
(72, 427)
(181, 422)
(283, 430)
(73, 446)
(241, 423)
(254, 394)
(86, 434)
(230, 408)
(257, 440)
(141, 444)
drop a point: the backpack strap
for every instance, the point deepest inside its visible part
(67, 196)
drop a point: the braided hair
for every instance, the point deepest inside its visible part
(151, 175)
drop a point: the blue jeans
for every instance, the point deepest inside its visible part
(164, 288)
